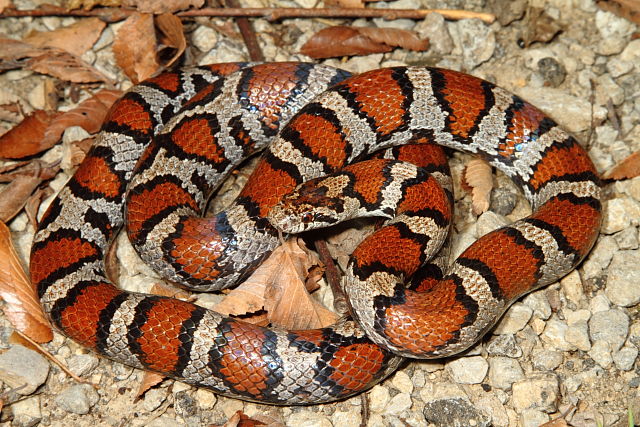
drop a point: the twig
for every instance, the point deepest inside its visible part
(271, 14)
(248, 34)
(333, 278)
(54, 359)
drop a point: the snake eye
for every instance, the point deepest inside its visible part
(307, 217)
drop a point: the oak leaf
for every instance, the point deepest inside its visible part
(25, 139)
(22, 306)
(75, 39)
(135, 47)
(628, 9)
(173, 35)
(65, 66)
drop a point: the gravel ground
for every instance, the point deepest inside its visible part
(567, 350)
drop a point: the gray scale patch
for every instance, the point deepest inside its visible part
(117, 344)
(492, 128)
(284, 150)
(60, 289)
(579, 188)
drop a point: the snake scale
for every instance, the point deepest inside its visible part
(170, 141)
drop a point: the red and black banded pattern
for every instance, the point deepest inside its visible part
(203, 122)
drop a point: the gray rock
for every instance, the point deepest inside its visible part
(468, 370)
(600, 257)
(554, 334)
(619, 213)
(623, 278)
(503, 201)
(578, 334)
(454, 413)
(541, 392)
(153, 398)
(26, 412)
(532, 418)
(599, 302)
(308, 418)
(601, 353)
(378, 398)
(504, 345)
(625, 358)
(402, 382)
(572, 287)
(618, 67)
(82, 364)
(553, 72)
(204, 38)
(435, 29)
(77, 399)
(504, 371)
(514, 319)
(631, 53)
(607, 89)
(399, 404)
(546, 360)
(611, 326)
(489, 221)
(627, 238)
(476, 40)
(21, 367)
(539, 303)
(184, 404)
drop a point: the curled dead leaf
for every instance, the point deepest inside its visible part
(76, 38)
(166, 6)
(627, 9)
(22, 307)
(627, 168)
(26, 138)
(66, 66)
(478, 176)
(135, 47)
(89, 115)
(173, 35)
(346, 41)
(149, 379)
(539, 27)
(23, 182)
(278, 286)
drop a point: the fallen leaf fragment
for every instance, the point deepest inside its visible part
(26, 138)
(89, 115)
(90, 4)
(135, 47)
(240, 419)
(66, 66)
(22, 183)
(627, 9)
(173, 31)
(22, 306)
(149, 379)
(346, 41)
(478, 176)
(5, 4)
(558, 422)
(278, 286)
(539, 27)
(76, 38)
(13, 50)
(627, 168)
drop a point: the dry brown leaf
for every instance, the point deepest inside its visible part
(75, 153)
(12, 50)
(539, 27)
(76, 38)
(627, 168)
(171, 26)
(149, 379)
(627, 9)
(66, 66)
(478, 176)
(166, 6)
(89, 115)
(22, 183)
(278, 286)
(240, 419)
(22, 307)
(10, 112)
(32, 205)
(558, 422)
(345, 41)
(25, 139)
(165, 290)
(5, 4)
(287, 301)
(135, 47)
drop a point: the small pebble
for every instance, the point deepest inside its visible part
(536, 393)
(504, 371)
(553, 72)
(77, 399)
(454, 413)
(468, 370)
(24, 368)
(611, 326)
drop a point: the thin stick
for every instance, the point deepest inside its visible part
(248, 34)
(333, 278)
(271, 14)
(54, 359)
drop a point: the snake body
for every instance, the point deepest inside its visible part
(173, 139)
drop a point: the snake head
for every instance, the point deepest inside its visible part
(308, 207)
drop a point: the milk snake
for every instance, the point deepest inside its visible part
(205, 121)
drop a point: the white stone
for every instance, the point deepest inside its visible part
(541, 392)
(504, 371)
(468, 370)
(516, 318)
(623, 278)
(402, 382)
